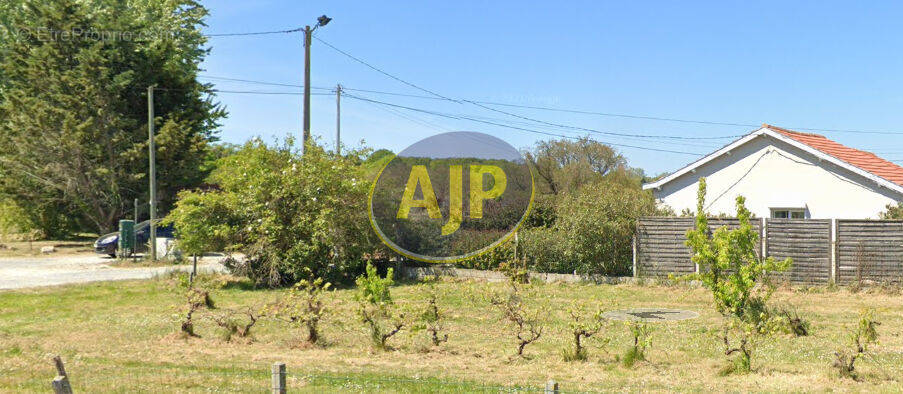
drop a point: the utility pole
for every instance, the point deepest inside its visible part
(307, 39)
(152, 202)
(338, 120)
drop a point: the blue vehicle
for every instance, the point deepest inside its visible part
(109, 243)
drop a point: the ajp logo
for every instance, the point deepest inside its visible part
(451, 196)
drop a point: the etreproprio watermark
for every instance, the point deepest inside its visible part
(78, 34)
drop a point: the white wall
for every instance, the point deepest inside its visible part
(773, 174)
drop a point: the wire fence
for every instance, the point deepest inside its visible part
(136, 376)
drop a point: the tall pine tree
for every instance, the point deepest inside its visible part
(73, 112)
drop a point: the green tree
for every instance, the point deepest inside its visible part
(731, 268)
(893, 211)
(565, 165)
(291, 216)
(73, 112)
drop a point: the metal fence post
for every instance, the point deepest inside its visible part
(279, 378)
(551, 387)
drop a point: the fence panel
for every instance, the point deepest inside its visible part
(807, 242)
(661, 248)
(869, 250)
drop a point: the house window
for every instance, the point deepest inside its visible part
(788, 213)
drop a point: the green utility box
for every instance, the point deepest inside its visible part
(126, 238)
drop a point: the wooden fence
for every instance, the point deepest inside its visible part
(869, 250)
(660, 248)
(858, 250)
(807, 242)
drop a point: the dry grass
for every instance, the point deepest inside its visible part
(119, 337)
(31, 249)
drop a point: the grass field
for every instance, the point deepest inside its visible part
(121, 337)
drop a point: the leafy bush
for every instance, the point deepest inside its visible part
(582, 327)
(790, 322)
(303, 306)
(544, 248)
(431, 318)
(290, 215)
(13, 220)
(730, 267)
(642, 339)
(598, 222)
(376, 308)
(864, 335)
(893, 211)
(490, 260)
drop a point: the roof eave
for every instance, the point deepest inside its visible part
(705, 159)
(779, 136)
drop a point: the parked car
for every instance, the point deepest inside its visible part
(109, 243)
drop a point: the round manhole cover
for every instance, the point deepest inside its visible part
(650, 314)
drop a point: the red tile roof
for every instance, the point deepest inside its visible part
(866, 161)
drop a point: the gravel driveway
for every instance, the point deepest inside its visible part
(24, 272)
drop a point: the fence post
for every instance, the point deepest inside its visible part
(551, 387)
(61, 385)
(763, 238)
(634, 256)
(60, 369)
(833, 241)
(279, 378)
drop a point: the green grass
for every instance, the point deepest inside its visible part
(120, 337)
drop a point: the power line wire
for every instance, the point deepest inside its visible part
(460, 117)
(257, 33)
(242, 92)
(599, 113)
(262, 82)
(374, 68)
(459, 101)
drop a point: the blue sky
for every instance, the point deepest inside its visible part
(812, 64)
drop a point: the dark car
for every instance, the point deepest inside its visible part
(109, 243)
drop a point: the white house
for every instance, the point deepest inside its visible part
(786, 174)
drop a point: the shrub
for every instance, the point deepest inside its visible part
(730, 267)
(303, 306)
(196, 299)
(790, 322)
(893, 211)
(527, 327)
(642, 339)
(544, 249)
(236, 322)
(582, 328)
(287, 213)
(599, 220)
(431, 318)
(376, 308)
(864, 335)
(490, 260)
(13, 220)
(516, 271)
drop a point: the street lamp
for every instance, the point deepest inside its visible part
(323, 20)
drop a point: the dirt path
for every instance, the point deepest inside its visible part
(25, 272)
